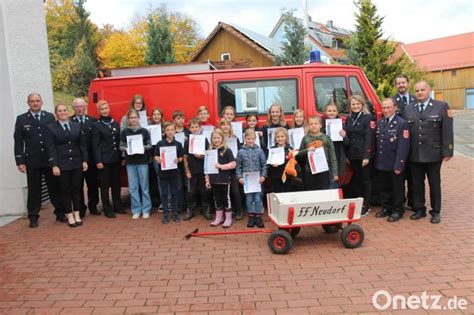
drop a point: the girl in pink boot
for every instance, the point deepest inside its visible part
(220, 182)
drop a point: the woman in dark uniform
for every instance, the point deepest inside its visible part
(67, 155)
(359, 129)
(107, 154)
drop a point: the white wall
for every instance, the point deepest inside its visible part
(24, 68)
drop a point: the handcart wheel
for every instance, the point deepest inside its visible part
(332, 228)
(352, 236)
(294, 231)
(280, 242)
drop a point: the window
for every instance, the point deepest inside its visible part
(225, 56)
(257, 96)
(330, 89)
(454, 72)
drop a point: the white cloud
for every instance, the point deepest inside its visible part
(405, 20)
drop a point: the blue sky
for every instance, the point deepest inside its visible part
(405, 20)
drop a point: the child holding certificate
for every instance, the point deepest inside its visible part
(134, 143)
(331, 111)
(220, 182)
(316, 140)
(252, 123)
(156, 119)
(234, 145)
(276, 170)
(252, 159)
(194, 169)
(183, 133)
(275, 119)
(169, 153)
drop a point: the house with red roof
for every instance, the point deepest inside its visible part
(450, 62)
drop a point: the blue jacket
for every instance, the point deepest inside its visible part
(251, 159)
(393, 144)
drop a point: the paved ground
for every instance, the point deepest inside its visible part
(464, 132)
(124, 266)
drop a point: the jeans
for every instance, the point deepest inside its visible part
(169, 185)
(252, 199)
(138, 180)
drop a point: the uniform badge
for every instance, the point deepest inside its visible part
(406, 134)
(372, 124)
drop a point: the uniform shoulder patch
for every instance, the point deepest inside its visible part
(406, 134)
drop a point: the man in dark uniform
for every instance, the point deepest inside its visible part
(431, 129)
(402, 99)
(90, 176)
(393, 144)
(31, 158)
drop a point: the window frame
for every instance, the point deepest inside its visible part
(225, 54)
(244, 114)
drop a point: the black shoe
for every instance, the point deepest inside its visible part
(166, 219)
(365, 211)
(109, 214)
(259, 221)
(418, 215)
(207, 214)
(176, 218)
(189, 215)
(61, 219)
(435, 219)
(383, 213)
(120, 211)
(94, 211)
(239, 216)
(394, 217)
(33, 223)
(251, 222)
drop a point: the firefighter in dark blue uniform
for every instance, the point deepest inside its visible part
(31, 158)
(90, 176)
(402, 99)
(432, 142)
(67, 155)
(393, 144)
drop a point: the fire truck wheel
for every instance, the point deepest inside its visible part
(332, 228)
(280, 242)
(352, 236)
(294, 231)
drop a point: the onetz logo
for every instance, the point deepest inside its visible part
(383, 300)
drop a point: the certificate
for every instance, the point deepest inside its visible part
(207, 132)
(179, 136)
(295, 136)
(135, 145)
(197, 144)
(237, 130)
(210, 161)
(252, 182)
(143, 118)
(168, 157)
(333, 126)
(155, 133)
(317, 161)
(271, 137)
(233, 146)
(276, 156)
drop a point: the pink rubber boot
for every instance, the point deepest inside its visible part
(219, 218)
(228, 219)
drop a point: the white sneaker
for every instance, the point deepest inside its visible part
(146, 215)
(135, 216)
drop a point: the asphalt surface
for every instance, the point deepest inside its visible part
(464, 132)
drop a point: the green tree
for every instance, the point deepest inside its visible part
(294, 50)
(83, 70)
(159, 39)
(368, 49)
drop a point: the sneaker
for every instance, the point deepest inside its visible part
(176, 218)
(135, 216)
(166, 219)
(146, 215)
(365, 211)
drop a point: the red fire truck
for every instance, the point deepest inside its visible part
(309, 87)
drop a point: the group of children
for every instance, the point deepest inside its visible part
(188, 187)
